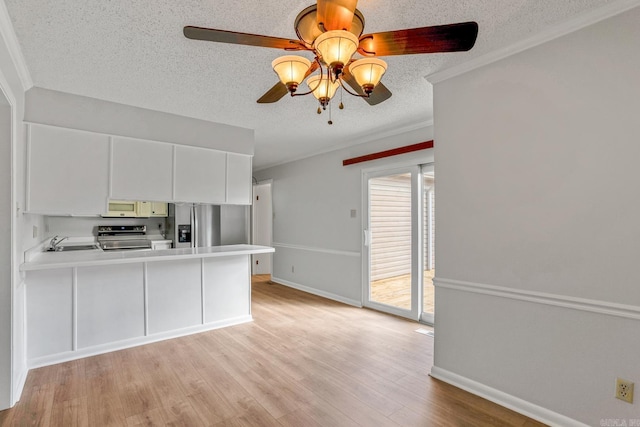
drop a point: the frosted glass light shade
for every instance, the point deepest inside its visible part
(336, 47)
(291, 69)
(323, 88)
(368, 72)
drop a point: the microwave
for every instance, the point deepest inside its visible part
(122, 208)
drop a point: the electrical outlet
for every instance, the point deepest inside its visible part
(292, 270)
(624, 390)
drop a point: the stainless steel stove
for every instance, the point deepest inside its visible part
(123, 237)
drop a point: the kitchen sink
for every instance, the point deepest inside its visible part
(76, 248)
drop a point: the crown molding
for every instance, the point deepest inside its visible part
(13, 46)
(551, 33)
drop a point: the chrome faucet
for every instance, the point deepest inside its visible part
(55, 242)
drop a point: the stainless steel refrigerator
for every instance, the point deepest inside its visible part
(195, 225)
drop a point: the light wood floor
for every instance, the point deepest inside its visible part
(396, 291)
(304, 361)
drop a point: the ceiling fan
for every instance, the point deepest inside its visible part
(332, 31)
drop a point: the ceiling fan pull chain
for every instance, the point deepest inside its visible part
(341, 105)
(330, 121)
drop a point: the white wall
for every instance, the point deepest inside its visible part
(538, 214)
(313, 231)
(234, 224)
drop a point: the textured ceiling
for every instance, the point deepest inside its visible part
(134, 53)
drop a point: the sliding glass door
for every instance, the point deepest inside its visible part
(399, 242)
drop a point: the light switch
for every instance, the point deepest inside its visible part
(353, 213)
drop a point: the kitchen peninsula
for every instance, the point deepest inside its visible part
(89, 302)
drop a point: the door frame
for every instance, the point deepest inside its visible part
(415, 312)
(12, 358)
(425, 317)
(268, 221)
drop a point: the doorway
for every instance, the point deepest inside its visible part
(7, 338)
(399, 242)
(261, 226)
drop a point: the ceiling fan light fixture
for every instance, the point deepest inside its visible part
(368, 72)
(336, 14)
(323, 88)
(291, 70)
(336, 48)
(307, 28)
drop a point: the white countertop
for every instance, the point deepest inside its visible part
(49, 260)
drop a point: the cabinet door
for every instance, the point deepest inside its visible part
(174, 294)
(49, 312)
(239, 179)
(141, 170)
(68, 171)
(110, 304)
(159, 209)
(227, 288)
(200, 175)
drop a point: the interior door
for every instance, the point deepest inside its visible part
(393, 268)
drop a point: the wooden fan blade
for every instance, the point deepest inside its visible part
(222, 36)
(336, 14)
(280, 89)
(441, 38)
(274, 94)
(379, 94)
(314, 66)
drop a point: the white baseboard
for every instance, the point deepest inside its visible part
(317, 292)
(521, 406)
(133, 342)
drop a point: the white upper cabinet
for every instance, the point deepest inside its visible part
(200, 175)
(72, 172)
(67, 171)
(239, 185)
(141, 170)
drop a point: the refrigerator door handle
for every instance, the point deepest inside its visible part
(194, 222)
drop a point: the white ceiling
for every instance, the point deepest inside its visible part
(133, 52)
